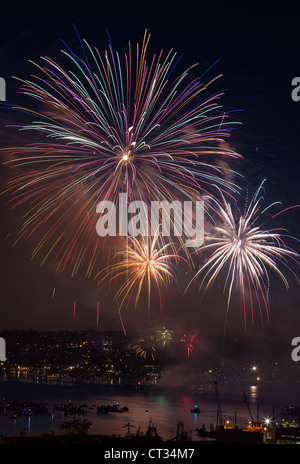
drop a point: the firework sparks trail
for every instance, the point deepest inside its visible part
(122, 323)
(111, 125)
(247, 252)
(98, 312)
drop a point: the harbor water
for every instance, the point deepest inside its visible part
(164, 406)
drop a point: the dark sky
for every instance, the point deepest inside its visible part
(258, 48)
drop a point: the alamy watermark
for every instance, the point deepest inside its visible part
(2, 89)
(137, 218)
(296, 351)
(2, 349)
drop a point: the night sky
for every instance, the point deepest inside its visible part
(258, 48)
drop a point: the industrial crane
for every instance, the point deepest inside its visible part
(219, 410)
(248, 406)
(255, 425)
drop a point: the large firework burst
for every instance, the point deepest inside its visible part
(247, 252)
(111, 125)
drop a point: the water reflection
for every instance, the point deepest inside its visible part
(253, 392)
(162, 401)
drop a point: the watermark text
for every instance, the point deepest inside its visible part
(2, 349)
(184, 219)
(296, 351)
(2, 89)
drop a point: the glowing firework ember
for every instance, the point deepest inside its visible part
(111, 125)
(142, 263)
(247, 252)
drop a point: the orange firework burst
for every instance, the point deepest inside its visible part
(145, 348)
(142, 263)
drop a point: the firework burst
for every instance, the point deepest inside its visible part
(190, 342)
(143, 263)
(111, 125)
(247, 252)
(145, 348)
(164, 336)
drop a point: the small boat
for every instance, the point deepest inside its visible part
(115, 408)
(196, 410)
(102, 410)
